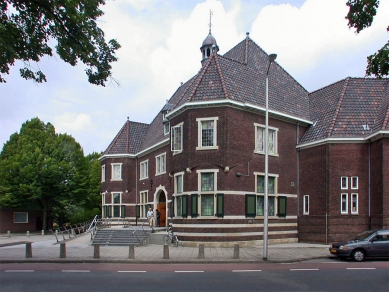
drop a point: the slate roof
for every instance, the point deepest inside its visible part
(129, 139)
(338, 110)
(350, 108)
(240, 75)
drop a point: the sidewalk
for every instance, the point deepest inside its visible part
(79, 250)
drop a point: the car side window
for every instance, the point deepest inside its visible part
(382, 237)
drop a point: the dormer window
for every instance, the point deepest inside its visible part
(166, 124)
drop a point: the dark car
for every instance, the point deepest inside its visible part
(372, 243)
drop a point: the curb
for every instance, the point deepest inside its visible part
(167, 261)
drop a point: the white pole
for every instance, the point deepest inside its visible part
(266, 146)
(272, 57)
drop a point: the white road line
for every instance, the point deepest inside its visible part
(75, 271)
(304, 269)
(360, 268)
(237, 271)
(189, 271)
(131, 271)
(334, 262)
(19, 271)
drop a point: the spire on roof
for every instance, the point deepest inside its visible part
(209, 45)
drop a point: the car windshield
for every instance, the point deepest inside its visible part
(364, 235)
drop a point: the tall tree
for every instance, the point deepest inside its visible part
(41, 169)
(360, 16)
(27, 27)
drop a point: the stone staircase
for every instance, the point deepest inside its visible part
(120, 237)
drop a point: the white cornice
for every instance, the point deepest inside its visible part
(382, 133)
(233, 103)
(139, 154)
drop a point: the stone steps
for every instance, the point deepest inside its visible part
(114, 237)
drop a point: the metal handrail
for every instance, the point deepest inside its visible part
(134, 232)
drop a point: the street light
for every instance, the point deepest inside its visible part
(272, 57)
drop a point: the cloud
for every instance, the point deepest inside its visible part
(71, 122)
(304, 38)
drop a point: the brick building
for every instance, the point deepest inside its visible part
(201, 161)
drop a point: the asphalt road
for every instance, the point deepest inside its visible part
(327, 275)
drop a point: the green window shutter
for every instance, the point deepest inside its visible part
(220, 205)
(137, 209)
(250, 205)
(123, 211)
(184, 206)
(282, 206)
(172, 208)
(195, 205)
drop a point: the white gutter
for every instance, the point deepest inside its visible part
(332, 140)
(232, 103)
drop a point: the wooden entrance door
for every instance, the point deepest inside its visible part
(162, 209)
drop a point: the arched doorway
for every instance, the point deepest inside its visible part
(160, 201)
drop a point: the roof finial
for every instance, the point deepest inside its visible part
(128, 118)
(210, 20)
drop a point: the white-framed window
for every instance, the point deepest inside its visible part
(207, 204)
(178, 182)
(176, 138)
(178, 206)
(271, 205)
(116, 202)
(344, 203)
(207, 186)
(354, 203)
(143, 202)
(160, 162)
(306, 205)
(354, 182)
(260, 139)
(103, 173)
(260, 183)
(116, 171)
(144, 169)
(343, 182)
(113, 205)
(207, 133)
(20, 217)
(166, 128)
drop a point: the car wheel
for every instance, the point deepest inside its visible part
(358, 255)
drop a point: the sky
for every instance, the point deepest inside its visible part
(161, 42)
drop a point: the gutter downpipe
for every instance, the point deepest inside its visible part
(369, 178)
(136, 189)
(298, 176)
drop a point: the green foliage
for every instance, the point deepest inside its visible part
(80, 214)
(360, 16)
(28, 27)
(41, 169)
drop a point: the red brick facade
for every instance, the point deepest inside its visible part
(336, 135)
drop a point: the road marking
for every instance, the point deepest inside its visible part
(360, 268)
(237, 271)
(75, 271)
(19, 271)
(304, 269)
(189, 271)
(334, 262)
(131, 271)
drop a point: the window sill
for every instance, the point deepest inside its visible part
(157, 174)
(208, 148)
(116, 180)
(176, 152)
(143, 178)
(263, 153)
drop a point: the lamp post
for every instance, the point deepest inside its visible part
(272, 57)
